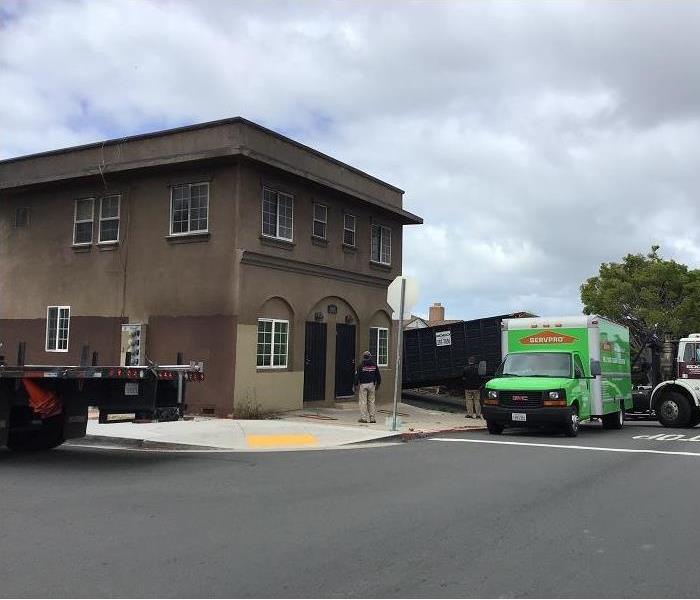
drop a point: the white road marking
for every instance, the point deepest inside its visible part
(668, 437)
(566, 446)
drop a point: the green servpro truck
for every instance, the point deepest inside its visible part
(560, 371)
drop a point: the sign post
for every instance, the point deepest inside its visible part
(401, 296)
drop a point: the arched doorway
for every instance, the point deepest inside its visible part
(331, 339)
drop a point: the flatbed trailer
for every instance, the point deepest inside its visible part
(43, 406)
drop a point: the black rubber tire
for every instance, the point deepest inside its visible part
(495, 428)
(694, 418)
(571, 428)
(50, 436)
(614, 420)
(673, 410)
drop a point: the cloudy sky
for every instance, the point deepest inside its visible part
(536, 139)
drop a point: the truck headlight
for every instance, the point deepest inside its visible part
(493, 395)
(554, 395)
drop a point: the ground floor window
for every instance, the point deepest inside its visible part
(273, 343)
(57, 328)
(379, 345)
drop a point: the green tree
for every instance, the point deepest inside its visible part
(647, 293)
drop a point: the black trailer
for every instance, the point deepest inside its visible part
(437, 355)
(42, 406)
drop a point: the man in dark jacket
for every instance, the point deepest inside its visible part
(368, 378)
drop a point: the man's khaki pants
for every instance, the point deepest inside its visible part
(368, 411)
(473, 403)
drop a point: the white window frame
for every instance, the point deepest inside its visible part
(383, 230)
(353, 230)
(189, 231)
(375, 351)
(271, 365)
(90, 220)
(277, 236)
(117, 219)
(59, 309)
(315, 220)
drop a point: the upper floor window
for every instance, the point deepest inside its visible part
(189, 208)
(349, 230)
(109, 219)
(57, 328)
(381, 244)
(82, 223)
(278, 215)
(320, 220)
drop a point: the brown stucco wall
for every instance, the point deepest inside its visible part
(147, 273)
(253, 177)
(305, 294)
(101, 334)
(211, 339)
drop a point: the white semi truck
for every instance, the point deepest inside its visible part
(675, 401)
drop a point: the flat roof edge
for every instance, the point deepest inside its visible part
(194, 127)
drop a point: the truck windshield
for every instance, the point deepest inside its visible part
(536, 364)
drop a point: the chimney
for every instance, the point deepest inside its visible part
(436, 312)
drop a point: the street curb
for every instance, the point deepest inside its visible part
(407, 436)
(417, 435)
(141, 443)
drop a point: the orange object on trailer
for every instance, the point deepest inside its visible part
(44, 403)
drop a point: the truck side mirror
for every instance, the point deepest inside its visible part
(595, 368)
(482, 368)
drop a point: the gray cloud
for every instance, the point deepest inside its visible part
(537, 139)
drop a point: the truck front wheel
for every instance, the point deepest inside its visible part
(571, 428)
(47, 437)
(673, 410)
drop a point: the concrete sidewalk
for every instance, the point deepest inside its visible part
(305, 429)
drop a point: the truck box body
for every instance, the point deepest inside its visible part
(437, 355)
(571, 343)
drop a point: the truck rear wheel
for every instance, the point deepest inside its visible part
(47, 437)
(614, 420)
(695, 418)
(673, 410)
(494, 428)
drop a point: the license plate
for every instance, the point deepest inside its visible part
(131, 388)
(518, 416)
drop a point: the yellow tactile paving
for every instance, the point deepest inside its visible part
(291, 440)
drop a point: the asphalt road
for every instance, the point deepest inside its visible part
(532, 517)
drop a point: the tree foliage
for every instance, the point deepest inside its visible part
(648, 294)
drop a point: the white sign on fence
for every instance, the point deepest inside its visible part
(443, 338)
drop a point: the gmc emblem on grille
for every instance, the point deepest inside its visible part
(520, 398)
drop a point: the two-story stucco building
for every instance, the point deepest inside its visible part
(232, 244)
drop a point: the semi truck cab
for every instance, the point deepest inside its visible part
(676, 402)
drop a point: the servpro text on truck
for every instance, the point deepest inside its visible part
(560, 371)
